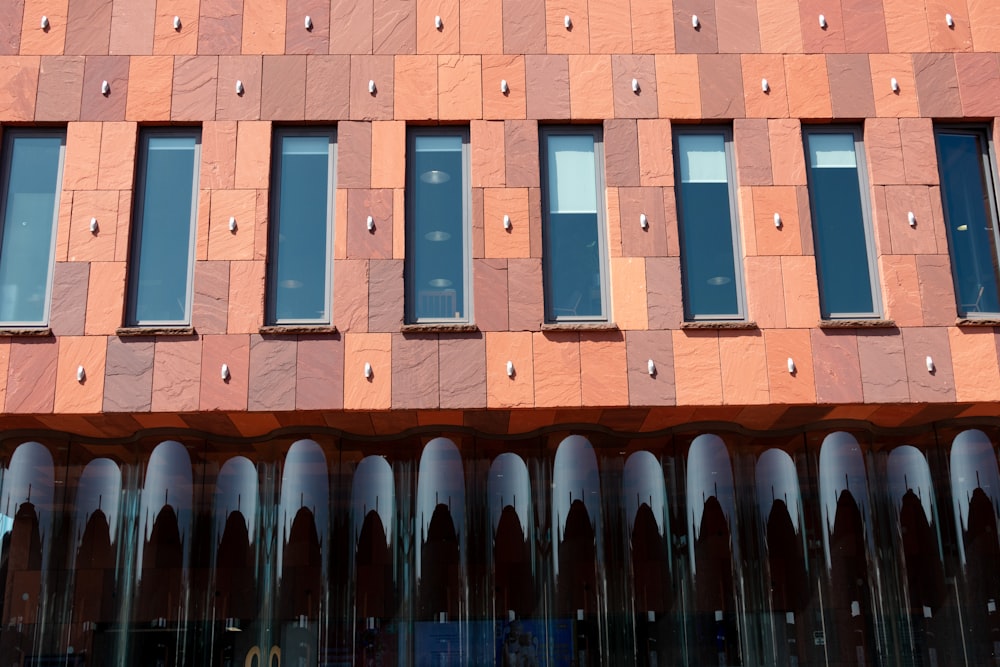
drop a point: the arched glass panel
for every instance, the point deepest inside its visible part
(975, 491)
(376, 598)
(779, 512)
(847, 540)
(576, 551)
(26, 529)
(713, 553)
(303, 525)
(645, 501)
(96, 522)
(440, 524)
(160, 608)
(234, 596)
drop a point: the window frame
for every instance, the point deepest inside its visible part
(734, 219)
(864, 189)
(135, 238)
(7, 148)
(597, 132)
(988, 163)
(274, 223)
(410, 290)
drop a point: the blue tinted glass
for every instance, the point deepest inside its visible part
(301, 241)
(969, 217)
(31, 199)
(708, 255)
(572, 243)
(438, 264)
(842, 259)
(163, 252)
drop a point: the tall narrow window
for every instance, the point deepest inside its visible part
(967, 188)
(710, 250)
(573, 231)
(163, 229)
(32, 174)
(842, 229)
(438, 222)
(302, 206)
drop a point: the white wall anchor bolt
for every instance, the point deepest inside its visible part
(930, 364)
(93, 225)
(568, 22)
(950, 20)
(651, 367)
(369, 373)
(791, 366)
(232, 224)
(643, 221)
(224, 373)
(371, 87)
(81, 374)
(370, 223)
(695, 22)
(45, 23)
(510, 369)
(635, 86)
(438, 23)
(777, 220)
(765, 86)
(912, 219)
(504, 88)
(506, 222)
(177, 23)
(239, 87)
(308, 23)
(105, 88)
(894, 84)
(822, 21)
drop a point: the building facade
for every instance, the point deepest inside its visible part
(515, 332)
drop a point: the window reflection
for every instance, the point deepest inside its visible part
(975, 488)
(645, 500)
(165, 523)
(576, 514)
(711, 505)
(303, 519)
(509, 492)
(373, 507)
(27, 502)
(846, 513)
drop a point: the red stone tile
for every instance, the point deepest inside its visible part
(850, 85)
(937, 85)
(645, 388)
(68, 310)
(351, 26)
(753, 152)
(802, 385)
(105, 298)
(31, 375)
(72, 395)
(663, 293)
(395, 27)
(524, 284)
(629, 103)
(974, 359)
(363, 243)
(496, 103)
(487, 154)
(548, 86)
(354, 155)
(556, 360)
(230, 103)
(979, 84)
(350, 300)
(837, 366)
(128, 375)
(888, 102)
(808, 87)
(744, 368)
(562, 39)
(697, 367)
(168, 40)
(490, 283)
(94, 104)
(818, 39)
(765, 291)
(150, 82)
(328, 92)
(415, 371)
(88, 29)
(195, 88)
(678, 86)
(460, 80)
(782, 32)
(503, 389)
(621, 153)
(760, 103)
(937, 385)
(637, 241)
(60, 88)
(253, 154)
(884, 151)
(864, 26)
(385, 295)
(478, 27)
(985, 31)
(246, 297)
(132, 27)
(689, 39)
(302, 40)
(283, 88)
(220, 27)
(919, 154)
(656, 161)
(211, 291)
(319, 375)
(523, 26)
(416, 87)
(521, 152)
(430, 38)
(937, 291)
(272, 373)
(462, 372)
(901, 289)
(652, 26)
(366, 105)
(906, 26)
(217, 392)
(263, 27)
(801, 291)
(788, 165)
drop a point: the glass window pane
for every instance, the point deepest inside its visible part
(162, 274)
(301, 231)
(843, 258)
(438, 257)
(708, 248)
(967, 193)
(30, 206)
(573, 245)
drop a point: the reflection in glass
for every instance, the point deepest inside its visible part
(975, 489)
(164, 227)
(709, 257)
(509, 493)
(165, 525)
(373, 508)
(573, 252)
(711, 505)
(847, 536)
(33, 163)
(438, 201)
(779, 508)
(577, 562)
(970, 213)
(27, 506)
(95, 537)
(303, 522)
(645, 500)
(844, 257)
(301, 227)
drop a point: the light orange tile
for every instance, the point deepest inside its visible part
(389, 153)
(614, 218)
(430, 38)
(19, 81)
(556, 359)
(49, 42)
(656, 152)
(83, 151)
(757, 102)
(238, 244)
(480, 27)
(748, 232)
(985, 27)
(105, 298)
(765, 292)
(798, 387)
(610, 27)
(246, 297)
(253, 154)
(788, 164)
(781, 31)
(591, 96)
(677, 86)
(628, 292)
(360, 392)
(123, 226)
(398, 224)
(808, 87)
(517, 390)
(512, 202)
(486, 145)
(770, 239)
(340, 225)
(901, 289)
(906, 26)
(150, 87)
(652, 26)
(263, 27)
(167, 40)
(415, 87)
(697, 367)
(801, 291)
(117, 159)
(559, 39)
(202, 227)
(218, 154)
(460, 80)
(974, 360)
(603, 369)
(885, 68)
(496, 103)
(63, 226)
(99, 246)
(744, 368)
(84, 396)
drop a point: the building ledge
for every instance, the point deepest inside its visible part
(25, 331)
(126, 332)
(285, 329)
(720, 324)
(440, 327)
(579, 326)
(857, 324)
(978, 322)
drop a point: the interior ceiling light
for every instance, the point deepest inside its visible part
(440, 282)
(435, 177)
(719, 280)
(437, 236)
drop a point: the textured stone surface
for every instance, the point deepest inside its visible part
(621, 153)
(217, 393)
(628, 292)
(231, 105)
(415, 371)
(350, 301)
(798, 387)
(656, 158)
(18, 80)
(415, 87)
(524, 284)
(808, 86)
(283, 88)
(394, 24)
(643, 388)
(705, 38)
(771, 240)
(496, 103)
(851, 85)
(603, 369)
(176, 374)
(801, 291)
(837, 366)
(652, 27)
(783, 32)
(489, 281)
(884, 151)
(919, 155)
(74, 396)
(84, 245)
(460, 80)
(974, 358)
(629, 103)
(503, 390)
(760, 103)
(105, 297)
(816, 39)
(89, 27)
(246, 297)
(788, 166)
(753, 152)
(385, 295)
(354, 141)
(697, 367)
(319, 374)
(300, 40)
(677, 86)
(744, 368)
(523, 26)
(926, 386)
(737, 27)
(636, 241)
(364, 104)
(610, 27)
(150, 80)
(31, 375)
(211, 292)
(220, 26)
(487, 154)
(60, 88)
(462, 371)
(721, 82)
(363, 243)
(351, 26)
(328, 92)
(663, 292)
(883, 367)
(889, 102)
(263, 27)
(10, 26)
(68, 310)
(253, 154)
(166, 39)
(195, 88)
(937, 85)
(501, 242)
(128, 375)
(765, 293)
(521, 152)
(478, 23)
(556, 359)
(979, 83)
(547, 85)
(132, 27)
(937, 291)
(361, 393)
(272, 373)
(864, 26)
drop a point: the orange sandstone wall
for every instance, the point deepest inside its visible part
(159, 75)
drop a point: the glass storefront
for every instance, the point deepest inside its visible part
(577, 547)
